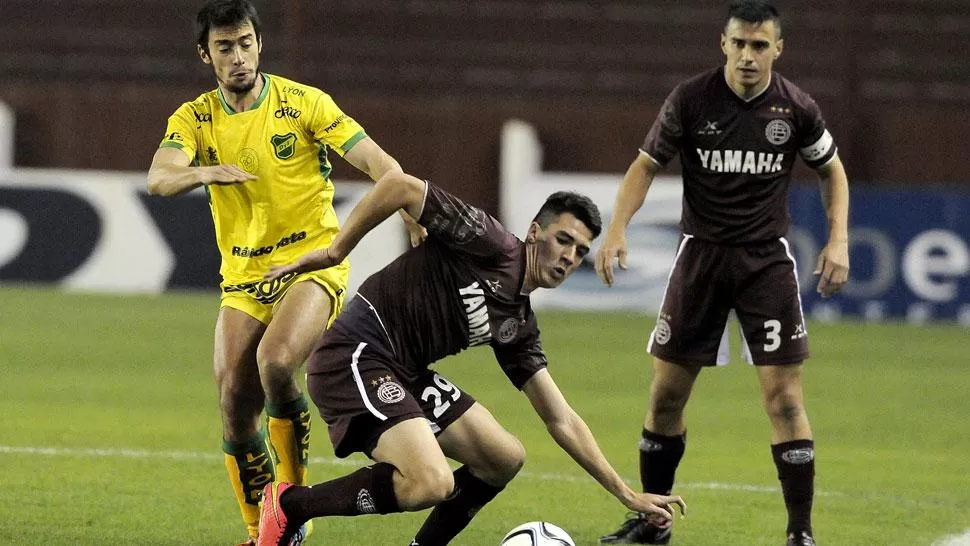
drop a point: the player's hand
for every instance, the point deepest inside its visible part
(832, 267)
(416, 232)
(659, 509)
(614, 248)
(311, 261)
(222, 175)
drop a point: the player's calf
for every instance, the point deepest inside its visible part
(454, 514)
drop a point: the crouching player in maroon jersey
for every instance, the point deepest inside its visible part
(369, 375)
(737, 130)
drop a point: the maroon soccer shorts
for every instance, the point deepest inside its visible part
(758, 281)
(360, 396)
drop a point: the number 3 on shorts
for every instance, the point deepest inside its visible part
(772, 339)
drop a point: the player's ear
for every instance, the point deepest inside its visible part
(779, 45)
(203, 54)
(530, 237)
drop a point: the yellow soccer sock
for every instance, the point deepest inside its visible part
(250, 467)
(289, 434)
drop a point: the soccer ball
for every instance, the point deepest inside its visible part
(537, 533)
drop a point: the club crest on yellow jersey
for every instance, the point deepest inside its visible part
(284, 145)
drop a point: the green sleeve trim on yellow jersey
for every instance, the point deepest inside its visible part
(353, 141)
(259, 100)
(171, 144)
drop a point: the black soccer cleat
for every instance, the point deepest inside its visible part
(637, 530)
(800, 538)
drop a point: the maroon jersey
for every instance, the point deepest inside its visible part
(737, 156)
(460, 288)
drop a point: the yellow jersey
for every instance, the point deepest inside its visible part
(283, 140)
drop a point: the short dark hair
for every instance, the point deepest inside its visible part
(224, 13)
(578, 205)
(755, 11)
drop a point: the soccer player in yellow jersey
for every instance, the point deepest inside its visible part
(258, 144)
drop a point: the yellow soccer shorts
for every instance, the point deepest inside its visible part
(259, 299)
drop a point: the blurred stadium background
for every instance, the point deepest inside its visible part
(108, 294)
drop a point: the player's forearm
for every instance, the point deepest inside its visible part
(383, 165)
(394, 191)
(632, 193)
(406, 217)
(172, 180)
(834, 187)
(574, 436)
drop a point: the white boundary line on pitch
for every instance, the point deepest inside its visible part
(355, 462)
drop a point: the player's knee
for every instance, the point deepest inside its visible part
(786, 410)
(238, 394)
(504, 463)
(667, 403)
(276, 361)
(783, 404)
(430, 485)
(668, 396)
(240, 409)
(221, 372)
(441, 486)
(512, 460)
(782, 399)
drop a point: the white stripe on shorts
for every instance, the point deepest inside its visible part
(680, 250)
(360, 383)
(374, 310)
(798, 286)
(723, 357)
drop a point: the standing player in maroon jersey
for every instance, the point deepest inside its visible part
(737, 130)
(467, 284)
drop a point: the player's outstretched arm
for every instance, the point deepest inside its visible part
(395, 190)
(171, 174)
(833, 261)
(368, 157)
(371, 159)
(571, 433)
(629, 199)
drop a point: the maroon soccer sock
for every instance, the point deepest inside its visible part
(369, 490)
(659, 457)
(795, 461)
(454, 514)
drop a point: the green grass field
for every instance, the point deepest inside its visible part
(111, 432)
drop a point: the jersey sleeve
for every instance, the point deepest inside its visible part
(462, 226)
(815, 144)
(181, 132)
(521, 360)
(330, 126)
(662, 143)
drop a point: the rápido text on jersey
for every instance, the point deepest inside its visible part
(251, 252)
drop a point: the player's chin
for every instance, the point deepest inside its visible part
(242, 86)
(750, 77)
(553, 278)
